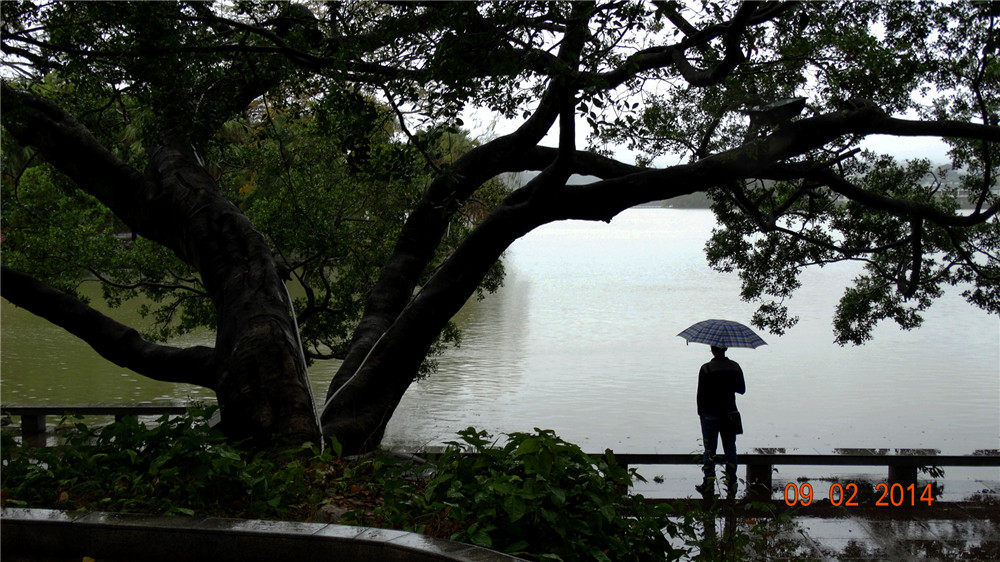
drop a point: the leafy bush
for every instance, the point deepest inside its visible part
(536, 496)
(178, 466)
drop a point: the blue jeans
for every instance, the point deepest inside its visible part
(711, 427)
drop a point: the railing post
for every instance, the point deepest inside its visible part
(904, 475)
(759, 481)
(621, 488)
(33, 429)
(32, 424)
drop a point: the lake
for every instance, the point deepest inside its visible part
(582, 340)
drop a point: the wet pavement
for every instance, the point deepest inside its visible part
(968, 534)
(961, 523)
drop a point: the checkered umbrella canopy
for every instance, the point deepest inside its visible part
(722, 333)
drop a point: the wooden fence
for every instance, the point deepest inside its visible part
(34, 417)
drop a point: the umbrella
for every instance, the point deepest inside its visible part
(722, 333)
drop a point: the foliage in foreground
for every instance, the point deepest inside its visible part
(536, 495)
(178, 466)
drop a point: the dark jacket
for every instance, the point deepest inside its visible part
(718, 382)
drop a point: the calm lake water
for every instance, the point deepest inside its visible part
(582, 340)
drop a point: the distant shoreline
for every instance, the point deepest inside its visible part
(691, 201)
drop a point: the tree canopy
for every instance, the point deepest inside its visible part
(243, 144)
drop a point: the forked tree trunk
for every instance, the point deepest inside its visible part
(358, 410)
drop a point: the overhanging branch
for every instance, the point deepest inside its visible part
(898, 207)
(762, 157)
(114, 341)
(36, 121)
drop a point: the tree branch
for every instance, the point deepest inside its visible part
(898, 207)
(36, 121)
(756, 158)
(748, 14)
(733, 52)
(585, 163)
(114, 341)
(427, 223)
(142, 284)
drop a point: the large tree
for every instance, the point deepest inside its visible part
(763, 105)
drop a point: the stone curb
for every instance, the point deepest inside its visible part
(123, 536)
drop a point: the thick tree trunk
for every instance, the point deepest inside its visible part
(260, 372)
(263, 386)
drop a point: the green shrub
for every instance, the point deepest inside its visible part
(177, 466)
(536, 496)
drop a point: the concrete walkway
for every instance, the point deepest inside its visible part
(45, 535)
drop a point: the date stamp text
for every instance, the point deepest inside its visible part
(887, 495)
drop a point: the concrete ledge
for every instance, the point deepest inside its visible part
(51, 533)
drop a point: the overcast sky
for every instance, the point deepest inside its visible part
(909, 147)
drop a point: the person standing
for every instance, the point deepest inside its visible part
(719, 381)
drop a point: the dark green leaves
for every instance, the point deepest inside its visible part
(537, 496)
(890, 218)
(177, 466)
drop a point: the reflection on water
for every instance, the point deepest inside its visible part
(893, 539)
(596, 309)
(41, 363)
(582, 339)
